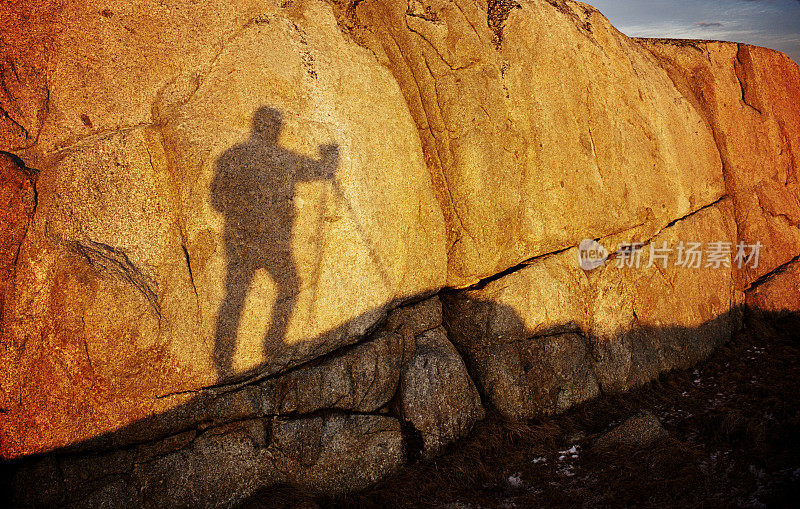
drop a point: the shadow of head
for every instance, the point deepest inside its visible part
(268, 123)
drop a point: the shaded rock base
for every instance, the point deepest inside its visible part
(734, 441)
(334, 426)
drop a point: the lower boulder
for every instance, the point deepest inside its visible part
(538, 376)
(639, 430)
(338, 453)
(436, 396)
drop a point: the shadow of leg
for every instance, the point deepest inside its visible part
(237, 282)
(285, 276)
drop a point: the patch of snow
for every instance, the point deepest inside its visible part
(566, 470)
(571, 452)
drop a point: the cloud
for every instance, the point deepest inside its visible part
(706, 24)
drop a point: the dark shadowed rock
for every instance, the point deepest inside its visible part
(363, 380)
(436, 394)
(640, 430)
(337, 453)
(523, 375)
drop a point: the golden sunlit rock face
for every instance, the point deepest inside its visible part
(307, 242)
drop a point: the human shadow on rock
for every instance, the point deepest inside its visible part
(254, 188)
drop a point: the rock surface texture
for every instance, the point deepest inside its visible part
(249, 243)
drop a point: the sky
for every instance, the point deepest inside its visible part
(771, 23)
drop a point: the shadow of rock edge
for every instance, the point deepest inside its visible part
(352, 417)
(526, 374)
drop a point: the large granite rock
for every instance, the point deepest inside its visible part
(222, 275)
(566, 130)
(749, 97)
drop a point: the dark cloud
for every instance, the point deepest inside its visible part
(706, 24)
